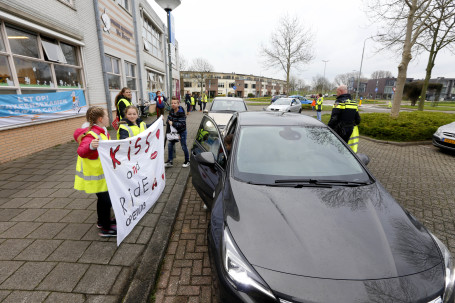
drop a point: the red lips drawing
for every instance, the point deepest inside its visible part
(158, 134)
(153, 155)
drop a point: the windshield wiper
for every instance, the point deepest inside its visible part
(291, 184)
(321, 182)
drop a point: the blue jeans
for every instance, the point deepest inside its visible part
(170, 148)
(318, 113)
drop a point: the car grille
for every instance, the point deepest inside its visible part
(275, 109)
(449, 134)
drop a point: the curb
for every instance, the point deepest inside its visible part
(145, 276)
(427, 142)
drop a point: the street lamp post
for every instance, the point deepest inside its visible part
(168, 6)
(325, 63)
(361, 62)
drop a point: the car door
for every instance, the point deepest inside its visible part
(206, 178)
(295, 105)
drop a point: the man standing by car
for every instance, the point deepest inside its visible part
(345, 114)
(319, 106)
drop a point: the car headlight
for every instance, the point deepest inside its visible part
(241, 275)
(438, 133)
(449, 270)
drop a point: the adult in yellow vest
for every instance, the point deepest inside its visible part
(193, 103)
(132, 125)
(122, 101)
(354, 139)
(89, 172)
(204, 101)
(319, 106)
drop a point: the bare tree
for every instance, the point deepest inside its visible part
(343, 79)
(201, 69)
(320, 83)
(183, 64)
(441, 33)
(290, 46)
(381, 74)
(403, 24)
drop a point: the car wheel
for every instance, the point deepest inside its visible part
(300, 111)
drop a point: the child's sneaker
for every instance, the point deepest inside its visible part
(113, 224)
(107, 233)
(168, 164)
(186, 164)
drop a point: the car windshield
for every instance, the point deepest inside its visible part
(265, 154)
(230, 105)
(283, 101)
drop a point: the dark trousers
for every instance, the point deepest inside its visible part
(188, 107)
(103, 209)
(159, 112)
(204, 104)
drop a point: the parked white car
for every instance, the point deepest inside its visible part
(444, 137)
(285, 105)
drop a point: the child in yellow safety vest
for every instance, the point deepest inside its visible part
(89, 172)
(131, 125)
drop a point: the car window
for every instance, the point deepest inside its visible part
(267, 153)
(209, 138)
(238, 106)
(282, 101)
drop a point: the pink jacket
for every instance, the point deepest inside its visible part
(84, 150)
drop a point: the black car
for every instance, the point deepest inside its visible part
(297, 217)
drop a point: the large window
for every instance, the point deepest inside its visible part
(113, 72)
(36, 63)
(155, 81)
(126, 4)
(152, 38)
(130, 73)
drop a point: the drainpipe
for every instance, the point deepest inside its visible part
(103, 67)
(138, 54)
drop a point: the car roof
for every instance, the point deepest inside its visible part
(277, 118)
(227, 99)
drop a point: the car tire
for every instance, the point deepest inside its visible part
(300, 111)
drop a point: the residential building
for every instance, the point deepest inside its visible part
(448, 89)
(231, 84)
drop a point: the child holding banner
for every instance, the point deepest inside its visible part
(89, 172)
(177, 119)
(132, 125)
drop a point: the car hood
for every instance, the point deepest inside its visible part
(332, 233)
(277, 107)
(448, 127)
(221, 118)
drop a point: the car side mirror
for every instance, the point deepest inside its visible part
(205, 158)
(364, 158)
(205, 111)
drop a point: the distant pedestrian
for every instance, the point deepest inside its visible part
(199, 101)
(319, 106)
(89, 172)
(193, 103)
(188, 102)
(345, 114)
(313, 104)
(160, 101)
(177, 119)
(204, 100)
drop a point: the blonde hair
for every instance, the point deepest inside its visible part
(93, 114)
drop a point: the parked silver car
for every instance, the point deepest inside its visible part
(222, 109)
(444, 137)
(285, 105)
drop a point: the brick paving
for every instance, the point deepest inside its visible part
(419, 177)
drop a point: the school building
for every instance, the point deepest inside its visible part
(98, 47)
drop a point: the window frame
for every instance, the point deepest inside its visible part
(152, 38)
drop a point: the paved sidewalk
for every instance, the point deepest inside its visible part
(50, 250)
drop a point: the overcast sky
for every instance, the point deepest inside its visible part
(229, 35)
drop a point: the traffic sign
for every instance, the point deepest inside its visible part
(393, 89)
(376, 89)
(234, 87)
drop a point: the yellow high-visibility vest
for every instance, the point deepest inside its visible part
(192, 101)
(132, 130)
(89, 173)
(354, 139)
(204, 98)
(127, 103)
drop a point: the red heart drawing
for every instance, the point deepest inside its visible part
(158, 134)
(153, 155)
(162, 176)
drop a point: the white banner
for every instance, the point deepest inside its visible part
(134, 171)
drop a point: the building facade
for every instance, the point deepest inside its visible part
(230, 84)
(53, 46)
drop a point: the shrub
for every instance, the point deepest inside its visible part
(250, 95)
